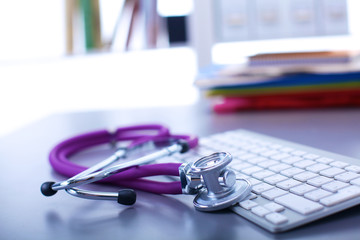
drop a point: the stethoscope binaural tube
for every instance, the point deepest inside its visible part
(129, 170)
(60, 154)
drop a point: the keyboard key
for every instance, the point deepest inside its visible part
(334, 186)
(241, 175)
(279, 167)
(276, 218)
(238, 152)
(273, 193)
(317, 167)
(263, 144)
(347, 176)
(246, 156)
(317, 194)
(268, 163)
(339, 164)
(298, 153)
(324, 160)
(318, 181)
(355, 181)
(260, 211)
(287, 184)
(262, 187)
(298, 204)
(258, 150)
(304, 163)
(253, 181)
(248, 204)
(269, 153)
(302, 189)
(311, 156)
(257, 160)
(252, 196)
(247, 147)
(274, 207)
(304, 176)
(292, 160)
(291, 171)
(275, 146)
(262, 174)
(353, 168)
(251, 170)
(286, 149)
(280, 156)
(342, 196)
(275, 179)
(241, 165)
(331, 172)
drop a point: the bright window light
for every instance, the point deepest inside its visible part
(168, 8)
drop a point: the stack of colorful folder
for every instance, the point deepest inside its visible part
(284, 81)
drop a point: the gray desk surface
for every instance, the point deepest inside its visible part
(26, 214)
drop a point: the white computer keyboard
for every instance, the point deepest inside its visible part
(292, 184)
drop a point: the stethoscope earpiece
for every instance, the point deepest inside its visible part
(126, 197)
(184, 145)
(46, 189)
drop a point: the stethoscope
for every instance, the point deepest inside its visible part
(216, 185)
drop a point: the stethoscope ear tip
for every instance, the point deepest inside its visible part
(46, 189)
(126, 197)
(184, 145)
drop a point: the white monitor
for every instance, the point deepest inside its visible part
(225, 31)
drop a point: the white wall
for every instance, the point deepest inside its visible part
(31, 29)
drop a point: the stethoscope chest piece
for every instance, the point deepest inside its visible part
(220, 188)
(208, 201)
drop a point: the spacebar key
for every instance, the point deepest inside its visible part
(298, 204)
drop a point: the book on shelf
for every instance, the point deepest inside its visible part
(302, 100)
(298, 85)
(304, 58)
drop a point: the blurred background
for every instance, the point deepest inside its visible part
(85, 55)
(42, 29)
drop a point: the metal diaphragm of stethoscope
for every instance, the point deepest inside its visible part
(216, 186)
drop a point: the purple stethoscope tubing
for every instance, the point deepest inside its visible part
(132, 177)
